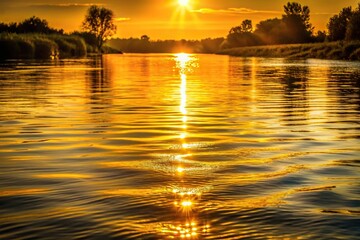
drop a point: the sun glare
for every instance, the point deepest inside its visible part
(184, 3)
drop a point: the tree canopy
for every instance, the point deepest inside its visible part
(353, 28)
(100, 22)
(293, 27)
(271, 31)
(338, 24)
(30, 25)
(345, 25)
(297, 22)
(241, 35)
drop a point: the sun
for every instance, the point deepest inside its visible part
(183, 3)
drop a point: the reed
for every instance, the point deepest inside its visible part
(28, 46)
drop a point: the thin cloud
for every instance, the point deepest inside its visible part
(241, 11)
(122, 19)
(65, 5)
(232, 11)
(323, 13)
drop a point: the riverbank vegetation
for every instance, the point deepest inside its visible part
(295, 27)
(292, 36)
(340, 50)
(33, 38)
(28, 46)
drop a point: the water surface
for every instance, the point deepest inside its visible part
(179, 147)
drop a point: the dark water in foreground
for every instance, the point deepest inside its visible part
(180, 147)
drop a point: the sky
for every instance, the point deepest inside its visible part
(167, 19)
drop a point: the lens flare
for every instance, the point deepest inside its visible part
(183, 3)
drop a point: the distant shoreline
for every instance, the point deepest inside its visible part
(48, 46)
(329, 50)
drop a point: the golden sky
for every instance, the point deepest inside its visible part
(166, 19)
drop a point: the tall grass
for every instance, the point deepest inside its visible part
(69, 46)
(327, 50)
(28, 46)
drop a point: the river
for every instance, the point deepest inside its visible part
(179, 146)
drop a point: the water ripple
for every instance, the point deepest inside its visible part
(179, 147)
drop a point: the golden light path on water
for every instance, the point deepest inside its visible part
(185, 198)
(179, 146)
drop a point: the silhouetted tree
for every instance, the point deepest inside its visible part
(241, 36)
(338, 24)
(3, 27)
(246, 26)
(30, 25)
(320, 36)
(302, 11)
(271, 31)
(100, 22)
(13, 27)
(293, 27)
(297, 21)
(34, 25)
(145, 38)
(353, 27)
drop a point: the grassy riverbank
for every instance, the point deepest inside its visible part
(328, 50)
(45, 46)
(41, 46)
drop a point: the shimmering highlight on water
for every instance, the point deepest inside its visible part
(179, 147)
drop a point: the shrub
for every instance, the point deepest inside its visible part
(26, 46)
(355, 55)
(90, 49)
(335, 54)
(80, 46)
(45, 48)
(350, 48)
(324, 52)
(27, 49)
(66, 49)
(13, 46)
(70, 46)
(9, 49)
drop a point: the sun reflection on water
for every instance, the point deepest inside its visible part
(182, 63)
(186, 200)
(183, 94)
(187, 230)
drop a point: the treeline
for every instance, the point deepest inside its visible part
(345, 25)
(30, 25)
(145, 45)
(294, 27)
